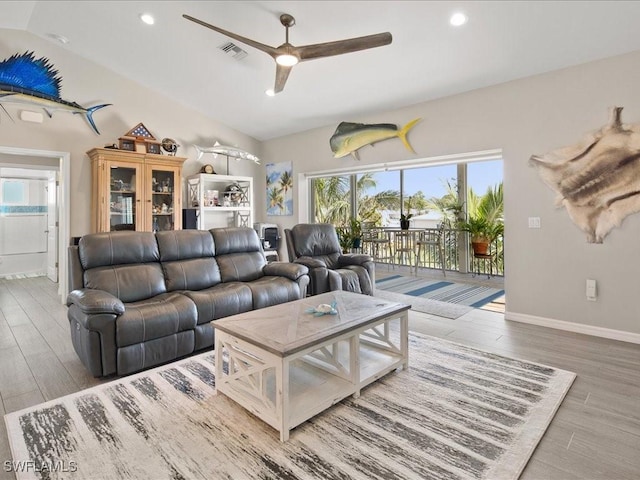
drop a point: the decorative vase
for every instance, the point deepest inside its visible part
(404, 224)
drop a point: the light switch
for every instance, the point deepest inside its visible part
(534, 222)
(591, 290)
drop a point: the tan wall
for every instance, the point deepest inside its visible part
(546, 269)
(89, 84)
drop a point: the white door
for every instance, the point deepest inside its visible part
(52, 227)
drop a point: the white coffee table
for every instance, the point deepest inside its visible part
(286, 365)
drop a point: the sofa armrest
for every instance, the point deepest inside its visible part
(354, 259)
(91, 301)
(292, 271)
(310, 262)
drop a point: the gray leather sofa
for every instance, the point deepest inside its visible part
(139, 299)
(316, 246)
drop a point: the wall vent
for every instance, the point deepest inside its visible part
(232, 49)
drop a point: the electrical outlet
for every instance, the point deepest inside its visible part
(534, 222)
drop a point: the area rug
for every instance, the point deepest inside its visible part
(426, 305)
(474, 296)
(456, 413)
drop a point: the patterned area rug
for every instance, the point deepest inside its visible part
(471, 415)
(425, 305)
(474, 296)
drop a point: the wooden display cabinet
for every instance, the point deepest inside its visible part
(135, 191)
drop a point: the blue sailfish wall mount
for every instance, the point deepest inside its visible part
(27, 80)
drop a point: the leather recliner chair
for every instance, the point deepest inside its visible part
(316, 246)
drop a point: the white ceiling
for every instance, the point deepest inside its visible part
(428, 58)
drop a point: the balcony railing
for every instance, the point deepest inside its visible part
(455, 246)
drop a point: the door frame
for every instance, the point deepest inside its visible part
(64, 162)
(53, 182)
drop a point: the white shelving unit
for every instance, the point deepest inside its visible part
(224, 209)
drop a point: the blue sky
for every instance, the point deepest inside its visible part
(430, 180)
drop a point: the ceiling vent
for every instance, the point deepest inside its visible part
(232, 49)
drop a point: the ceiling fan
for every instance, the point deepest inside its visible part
(286, 55)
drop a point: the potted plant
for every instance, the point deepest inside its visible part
(404, 220)
(350, 237)
(482, 233)
(355, 228)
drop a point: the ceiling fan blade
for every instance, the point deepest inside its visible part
(329, 49)
(247, 41)
(282, 73)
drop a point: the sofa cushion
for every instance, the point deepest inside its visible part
(184, 244)
(269, 291)
(125, 264)
(155, 317)
(221, 301)
(187, 258)
(129, 283)
(117, 248)
(239, 254)
(194, 274)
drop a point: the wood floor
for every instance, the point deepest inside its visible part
(594, 435)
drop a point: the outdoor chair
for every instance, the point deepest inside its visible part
(376, 242)
(431, 242)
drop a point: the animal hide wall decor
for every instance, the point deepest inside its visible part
(598, 179)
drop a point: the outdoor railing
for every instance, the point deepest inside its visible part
(430, 257)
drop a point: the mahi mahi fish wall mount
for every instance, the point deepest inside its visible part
(598, 179)
(349, 137)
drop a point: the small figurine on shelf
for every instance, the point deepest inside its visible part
(155, 227)
(166, 186)
(154, 185)
(165, 208)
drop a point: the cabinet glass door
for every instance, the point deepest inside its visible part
(123, 200)
(163, 201)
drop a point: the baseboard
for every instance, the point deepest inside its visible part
(574, 327)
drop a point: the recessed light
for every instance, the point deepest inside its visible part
(270, 93)
(458, 19)
(58, 38)
(147, 18)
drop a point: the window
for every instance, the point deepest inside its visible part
(14, 192)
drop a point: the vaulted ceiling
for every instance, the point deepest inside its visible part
(427, 59)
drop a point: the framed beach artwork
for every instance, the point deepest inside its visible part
(280, 188)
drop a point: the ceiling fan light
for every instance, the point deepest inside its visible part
(287, 60)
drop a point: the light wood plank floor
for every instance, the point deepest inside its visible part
(594, 435)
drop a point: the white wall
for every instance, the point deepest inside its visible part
(546, 269)
(89, 84)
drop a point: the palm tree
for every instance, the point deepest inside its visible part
(275, 198)
(491, 205)
(331, 196)
(450, 206)
(286, 182)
